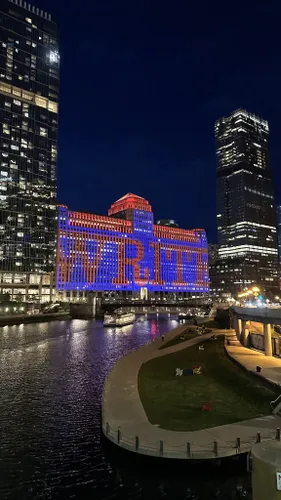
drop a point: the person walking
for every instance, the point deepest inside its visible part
(162, 338)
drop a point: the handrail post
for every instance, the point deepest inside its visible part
(118, 436)
(258, 439)
(278, 433)
(107, 428)
(216, 448)
(238, 444)
(161, 448)
(188, 448)
(137, 443)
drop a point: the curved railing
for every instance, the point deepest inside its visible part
(187, 450)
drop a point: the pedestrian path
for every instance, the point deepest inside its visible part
(250, 359)
(125, 423)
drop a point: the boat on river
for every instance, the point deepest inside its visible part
(119, 319)
(187, 317)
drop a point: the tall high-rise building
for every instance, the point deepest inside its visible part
(278, 216)
(29, 94)
(245, 204)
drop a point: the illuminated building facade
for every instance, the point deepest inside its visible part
(126, 252)
(245, 204)
(29, 93)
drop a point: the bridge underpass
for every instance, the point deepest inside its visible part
(258, 328)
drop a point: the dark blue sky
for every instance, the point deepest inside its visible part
(142, 82)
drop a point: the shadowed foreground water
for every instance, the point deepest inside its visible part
(51, 381)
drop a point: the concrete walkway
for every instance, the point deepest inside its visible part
(124, 418)
(250, 359)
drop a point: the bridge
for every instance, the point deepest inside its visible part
(153, 305)
(267, 317)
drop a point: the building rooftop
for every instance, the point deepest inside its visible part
(245, 114)
(32, 8)
(129, 201)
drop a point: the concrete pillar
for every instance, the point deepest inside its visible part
(267, 339)
(237, 324)
(239, 328)
(266, 475)
(245, 333)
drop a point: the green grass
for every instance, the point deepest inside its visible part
(188, 334)
(175, 403)
(211, 323)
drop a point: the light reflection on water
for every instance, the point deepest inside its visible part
(51, 380)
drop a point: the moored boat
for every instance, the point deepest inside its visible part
(119, 319)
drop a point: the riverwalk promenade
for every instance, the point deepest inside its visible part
(250, 359)
(124, 421)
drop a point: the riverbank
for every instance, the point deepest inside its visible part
(17, 319)
(125, 422)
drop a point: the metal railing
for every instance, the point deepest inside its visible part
(276, 405)
(188, 449)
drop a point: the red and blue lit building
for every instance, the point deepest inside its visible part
(126, 252)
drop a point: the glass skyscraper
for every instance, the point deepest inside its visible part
(245, 204)
(29, 94)
(278, 216)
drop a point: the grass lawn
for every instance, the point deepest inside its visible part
(211, 323)
(175, 403)
(188, 334)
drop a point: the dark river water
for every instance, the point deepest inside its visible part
(51, 382)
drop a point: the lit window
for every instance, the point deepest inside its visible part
(43, 132)
(16, 102)
(28, 20)
(53, 106)
(54, 56)
(16, 92)
(27, 95)
(41, 101)
(4, 87)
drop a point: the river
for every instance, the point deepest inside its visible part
(51, 382)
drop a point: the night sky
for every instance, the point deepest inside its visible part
(142, 82)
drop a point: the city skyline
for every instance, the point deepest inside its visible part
(147, 125)
(30, 81)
